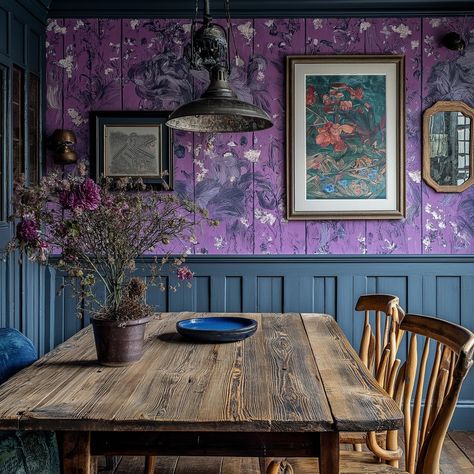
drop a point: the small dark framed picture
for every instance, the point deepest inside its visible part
(135, 144)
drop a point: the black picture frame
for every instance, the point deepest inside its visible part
(100, 155)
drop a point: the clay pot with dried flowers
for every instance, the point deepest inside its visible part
(95, 233)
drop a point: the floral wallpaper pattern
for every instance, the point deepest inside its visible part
(112, 64)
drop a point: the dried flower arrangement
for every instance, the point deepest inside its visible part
(97, 231)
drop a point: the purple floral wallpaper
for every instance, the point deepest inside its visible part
(95, 64)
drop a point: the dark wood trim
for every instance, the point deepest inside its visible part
(252, 9)
(206, 444)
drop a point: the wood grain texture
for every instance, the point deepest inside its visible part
(76, 453)
(269, 382)
(357, 402)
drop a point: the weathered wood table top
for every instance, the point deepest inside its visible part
(298, 373)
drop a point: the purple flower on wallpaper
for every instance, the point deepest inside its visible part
(85, 197)
(27, 230)
(163, 79)
(223, 189)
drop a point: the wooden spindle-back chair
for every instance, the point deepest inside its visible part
(374, 343)
(425, 428)
(378, 350)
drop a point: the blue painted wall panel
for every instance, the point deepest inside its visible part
(441, 286)
(233, 295)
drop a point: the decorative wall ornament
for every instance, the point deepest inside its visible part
(135, 144)
(453, 41)
(62, 142)
(345, 137)
(448, 146)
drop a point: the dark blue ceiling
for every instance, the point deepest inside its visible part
(258, 8)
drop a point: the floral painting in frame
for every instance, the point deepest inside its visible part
(345, 137)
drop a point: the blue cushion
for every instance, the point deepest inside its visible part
(16, 352)
(23, 452)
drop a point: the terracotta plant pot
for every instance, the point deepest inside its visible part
(119, 343)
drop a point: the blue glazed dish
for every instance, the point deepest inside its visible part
(225, 329)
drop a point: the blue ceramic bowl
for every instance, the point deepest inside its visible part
(225, 329)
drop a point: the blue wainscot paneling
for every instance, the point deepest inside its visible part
(441, 286)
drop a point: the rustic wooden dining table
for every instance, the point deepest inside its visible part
(288, 390)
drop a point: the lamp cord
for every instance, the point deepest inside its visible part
(229, 28)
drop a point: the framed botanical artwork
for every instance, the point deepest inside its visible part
(136, 144)
(345, 137)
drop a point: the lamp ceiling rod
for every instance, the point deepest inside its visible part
(207, 10)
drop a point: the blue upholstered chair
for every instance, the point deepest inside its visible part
(29, 452)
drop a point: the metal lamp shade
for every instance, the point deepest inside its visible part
(219, 110)
(219, 115)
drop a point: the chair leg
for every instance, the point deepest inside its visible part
(273, 468)
(150, 462)
(277, 467)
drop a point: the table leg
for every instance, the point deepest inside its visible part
(76, 452)
(329, 455)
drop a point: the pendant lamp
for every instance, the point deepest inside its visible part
(218, 109)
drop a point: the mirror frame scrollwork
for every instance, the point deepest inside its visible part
(446, 106)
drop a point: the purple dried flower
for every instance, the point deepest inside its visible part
(27, 230)
(184, 273)
(84, 197)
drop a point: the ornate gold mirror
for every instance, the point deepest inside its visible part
(448, 146)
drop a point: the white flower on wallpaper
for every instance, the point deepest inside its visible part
(134, 24)
(264, 217)
(67, 64)
(219, 242)
(415, 176)
(247, 31)
(364, 26)
(55, 28)
(362, 244)
(317, 23)
(244, 221)
(415, 44)
(79, 24)
(253, 155)
(403, 30)
(389, 246)
(435, 22)
(76, 117)
(201, 170)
